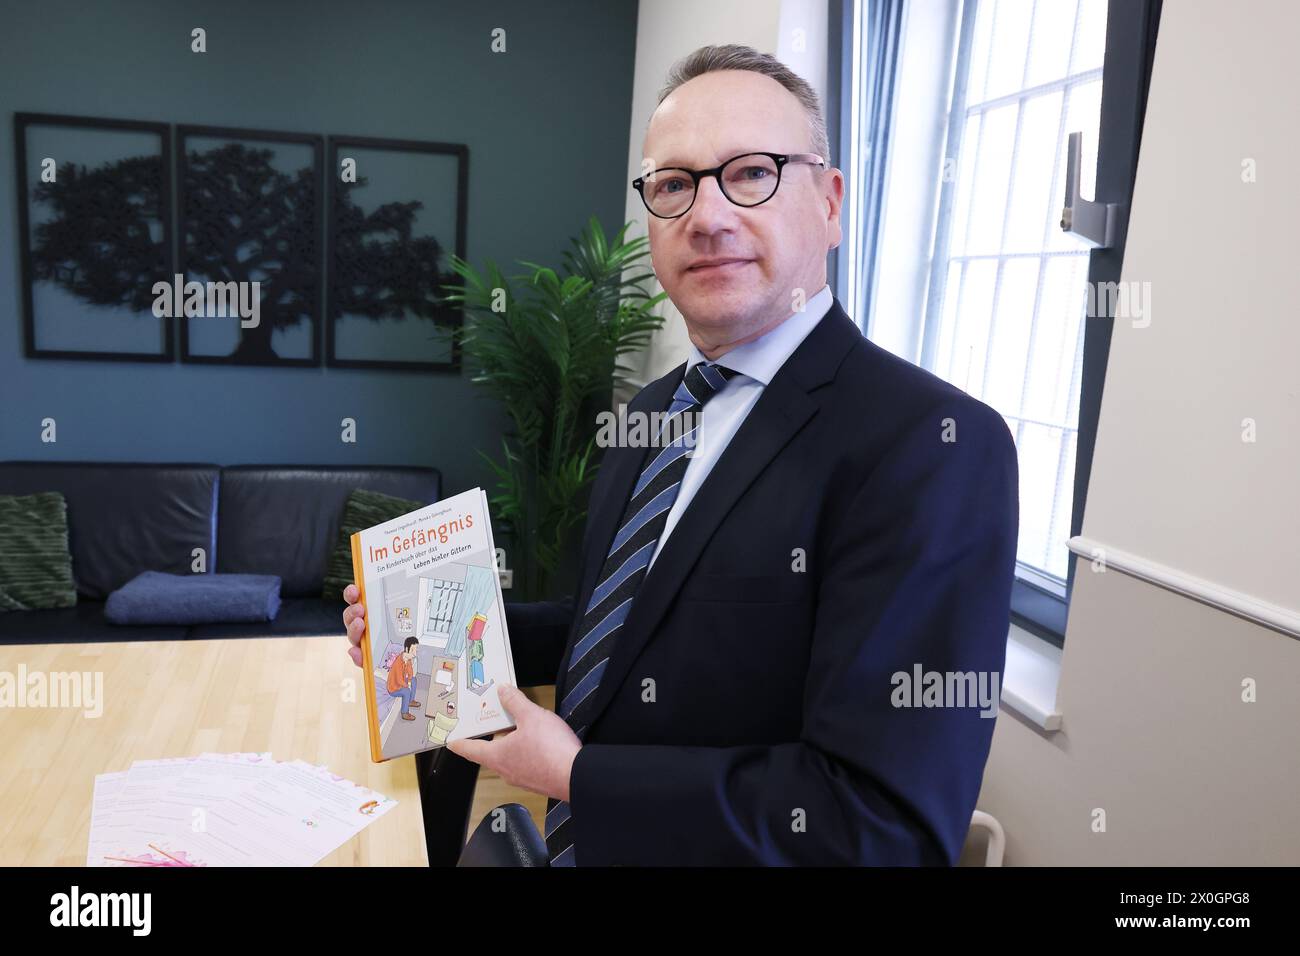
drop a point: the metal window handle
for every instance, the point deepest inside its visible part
(1093, 222)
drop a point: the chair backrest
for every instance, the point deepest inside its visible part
(507, 836)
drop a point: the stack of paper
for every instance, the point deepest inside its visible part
(226, 810)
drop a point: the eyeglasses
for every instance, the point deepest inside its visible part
(749, 179)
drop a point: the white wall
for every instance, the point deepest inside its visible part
(1224, 337)
(1154, 729)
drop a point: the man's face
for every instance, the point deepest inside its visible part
(773, 248)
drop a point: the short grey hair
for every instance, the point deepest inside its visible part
(709, 59)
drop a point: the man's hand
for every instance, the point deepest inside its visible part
(537, 755)
(354, 620)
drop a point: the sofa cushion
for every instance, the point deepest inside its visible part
(125, 518)
(157, 598)
(298, 617)
(284, 519)
(35, 564)
(364, 509)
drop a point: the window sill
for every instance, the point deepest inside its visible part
(1030, 677)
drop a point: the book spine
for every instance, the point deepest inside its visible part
(501, 600)
(367, 659)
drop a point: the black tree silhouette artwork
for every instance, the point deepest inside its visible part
(103, 239)
(98, 245)
(106, 239)
(243, 220)
(380, 270)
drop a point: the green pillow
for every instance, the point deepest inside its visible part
(35, 564)
(364, 509)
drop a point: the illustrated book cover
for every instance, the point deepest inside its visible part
(436, 649)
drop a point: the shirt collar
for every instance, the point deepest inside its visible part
(764, 356)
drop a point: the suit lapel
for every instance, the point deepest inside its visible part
(778, 415)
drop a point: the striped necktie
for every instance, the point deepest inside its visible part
(629, 556)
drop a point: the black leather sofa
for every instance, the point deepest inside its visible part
(124, 518)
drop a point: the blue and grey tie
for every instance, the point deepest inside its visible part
(629, 556)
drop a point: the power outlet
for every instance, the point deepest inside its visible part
(507, 578)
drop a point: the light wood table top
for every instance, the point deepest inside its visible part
(182, 698)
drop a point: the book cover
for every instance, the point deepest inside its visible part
(436, 648)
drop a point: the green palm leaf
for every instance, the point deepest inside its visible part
(547, 344)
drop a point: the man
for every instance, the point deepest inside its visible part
(843, 518)
(401, 678)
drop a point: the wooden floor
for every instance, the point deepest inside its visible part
(300, 698)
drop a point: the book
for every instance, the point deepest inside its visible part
(436, 648)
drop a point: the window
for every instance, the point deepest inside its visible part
(951, 121)
(1005, 309)
(441, 604)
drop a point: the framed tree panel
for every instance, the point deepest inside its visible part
(251, 210)
(397, 210)
(94, 236)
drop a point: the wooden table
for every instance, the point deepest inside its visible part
(300, 698)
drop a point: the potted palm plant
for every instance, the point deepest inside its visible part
(548, 345)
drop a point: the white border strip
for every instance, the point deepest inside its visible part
(1030, 679)
(1048, 721)
(1235, 602)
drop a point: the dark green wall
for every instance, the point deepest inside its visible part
(547, 128)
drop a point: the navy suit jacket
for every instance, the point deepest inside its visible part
(747, 713)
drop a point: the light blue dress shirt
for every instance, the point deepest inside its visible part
(757, 362)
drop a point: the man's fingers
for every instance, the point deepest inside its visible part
(356, 630)
(479, 751)
(354, 622)
(513, 700)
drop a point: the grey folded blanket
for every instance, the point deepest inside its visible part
(152, 597)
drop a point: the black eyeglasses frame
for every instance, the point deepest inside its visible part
(781, 160)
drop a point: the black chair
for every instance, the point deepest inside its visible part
(507, 836)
